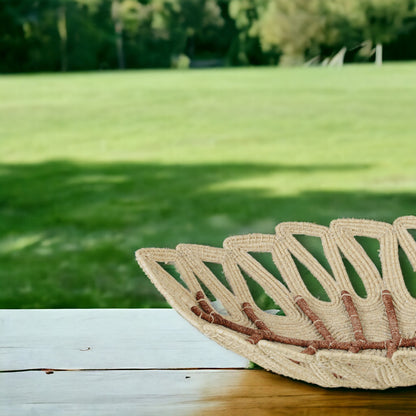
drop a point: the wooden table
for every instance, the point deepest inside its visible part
(151, 362)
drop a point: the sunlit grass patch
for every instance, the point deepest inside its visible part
(95, 166)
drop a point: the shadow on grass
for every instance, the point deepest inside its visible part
(68, 231)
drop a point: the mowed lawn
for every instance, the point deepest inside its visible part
(96, 165)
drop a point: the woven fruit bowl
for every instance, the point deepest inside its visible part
(346, 340)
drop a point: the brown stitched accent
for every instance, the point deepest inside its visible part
(312, 349)
(319, 325)
(408, 342)
(393, 323)
(255, 338)
(391, 315)
(248, 310)
(355, 322)
(215, 318)
(207, 313)
(353, 315)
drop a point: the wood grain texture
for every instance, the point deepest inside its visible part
(148, 341)
(188, 392)
(106, 339)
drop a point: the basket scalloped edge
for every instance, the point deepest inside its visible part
(348, 341)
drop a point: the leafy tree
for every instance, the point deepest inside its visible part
(403, 46)
(184, 20)
(295, 26)
(214, 41)
(247, 15)
(52, 35)
(125, 13)
(28, 36)
(382, 19)
(61, 12)
(342, 22)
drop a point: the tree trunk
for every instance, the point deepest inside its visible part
(118, 26)
(118, 29)
(63, 36)
(379, 54)
(292, 59)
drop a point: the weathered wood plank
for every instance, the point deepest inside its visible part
(106, 339)
(188, 392)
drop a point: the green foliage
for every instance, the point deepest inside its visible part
(184, 20)
(99, 34)
(343, 24)
(296, 26)
(382, 19)
(96, 34)
(247, 15)
(304, 28)
(181, 62)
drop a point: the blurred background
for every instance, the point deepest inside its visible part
(68, 35)
(128, 124)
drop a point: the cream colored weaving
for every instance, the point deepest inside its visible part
(349, 341)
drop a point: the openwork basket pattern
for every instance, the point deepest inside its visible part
(349, 341)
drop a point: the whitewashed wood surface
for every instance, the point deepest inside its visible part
(127, 359)
(142, 362)
(151, 392)
(106, 339)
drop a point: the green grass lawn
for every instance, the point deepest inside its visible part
(96, 165)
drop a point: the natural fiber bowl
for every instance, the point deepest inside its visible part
(344, 340)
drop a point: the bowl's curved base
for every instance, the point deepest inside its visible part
(327, 368)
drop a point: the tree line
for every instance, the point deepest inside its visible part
(52, 35)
